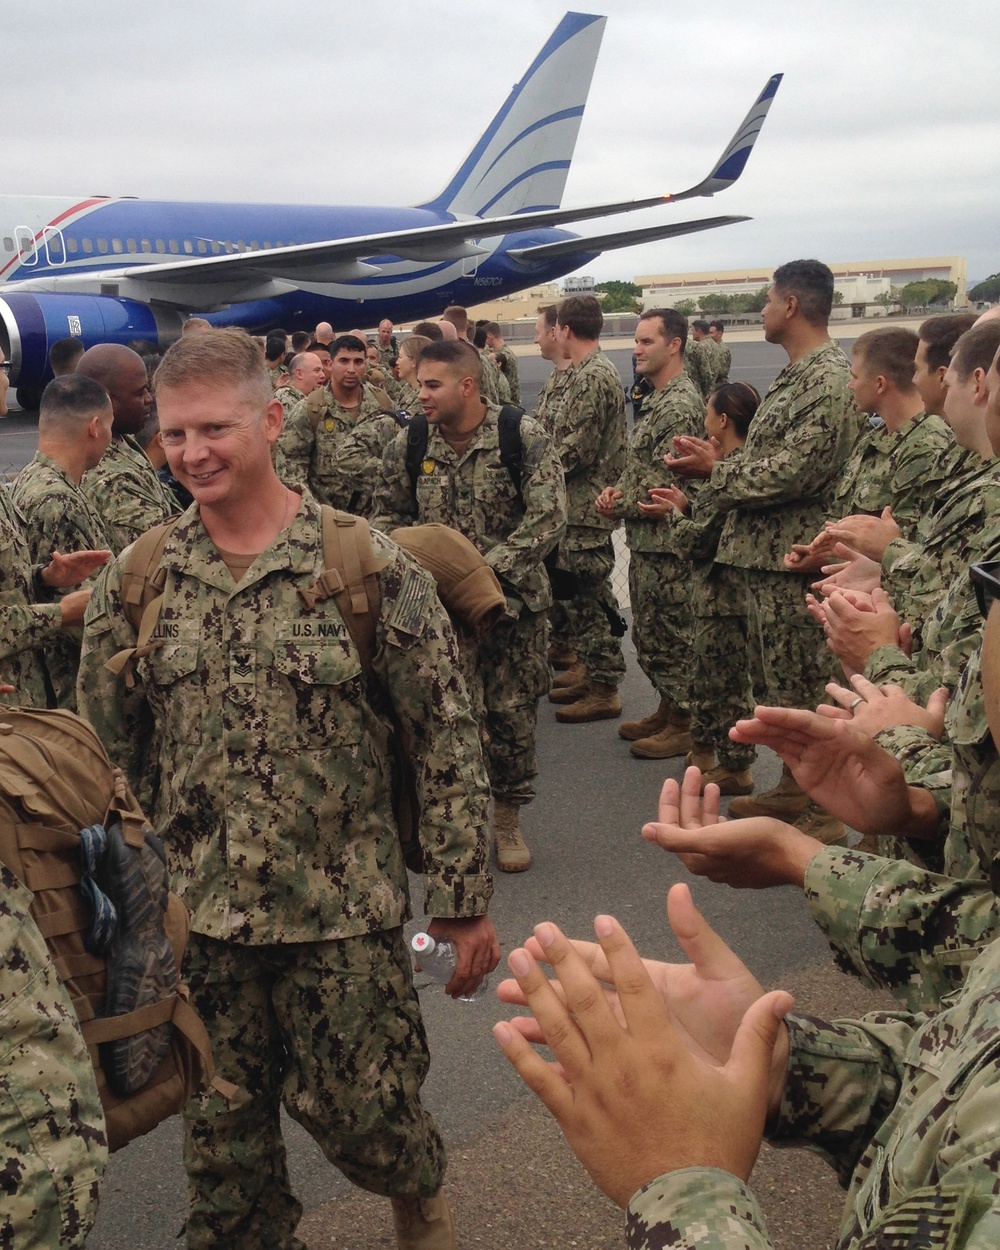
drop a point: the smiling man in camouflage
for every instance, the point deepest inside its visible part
(274, 802)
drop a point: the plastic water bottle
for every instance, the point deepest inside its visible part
(437, 959)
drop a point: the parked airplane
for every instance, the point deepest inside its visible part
(116, 269)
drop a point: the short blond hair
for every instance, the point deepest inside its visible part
(215, 357)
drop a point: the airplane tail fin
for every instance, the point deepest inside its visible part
(521, 162)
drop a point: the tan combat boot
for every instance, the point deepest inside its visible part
(669, 742)
(512, 852)
(728, 781)
(572, 676)
(569, 694)
(424, 1223)
(599, 702)
(562, 655)
(700, 756)
(819, 824)
(630, 730)
(785, 802)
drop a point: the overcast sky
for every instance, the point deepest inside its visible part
(884, 139)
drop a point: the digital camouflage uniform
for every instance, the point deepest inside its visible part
(720, 685)
(307, 454)
(723, 364)
(699, 364)
(901, 469)
(58, 516)
(906, 1108)
(493, 384)
(125, 491)
(549, 399)
(274, 372)
(510, 371)
(387, 354)
(358, 460)
(289, 396)
(53, 1146)
(904, 926)
(407, 398)
(475, 494)
(659, 576)
(916, 573)
(778, 490)
(589, 435)
(275, 811)
(27, 627)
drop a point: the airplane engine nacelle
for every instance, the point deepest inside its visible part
(30, 324)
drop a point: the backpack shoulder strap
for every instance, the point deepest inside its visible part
(142, 595)
(511, 447)
(348, 577)
(316, 405)
(417, 434)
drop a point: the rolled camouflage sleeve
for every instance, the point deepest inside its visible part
(844, 1078)
(695, 1209)
(898, 926)
(419, 666)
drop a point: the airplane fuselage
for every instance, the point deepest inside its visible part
(58, 247)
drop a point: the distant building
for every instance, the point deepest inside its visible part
(579, 285)
(860, 283)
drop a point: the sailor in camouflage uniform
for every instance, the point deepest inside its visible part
(306, 373)
(589, 435)
(699, 358)
(659, 573)
(724, 357)
(274, 804)
(779, 487)
(315, 428)
(123, 488)
(496, 344)
(53, 1144)
(74, 429)
(464, 483)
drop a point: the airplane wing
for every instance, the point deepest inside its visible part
(623, 238)
(342, 259)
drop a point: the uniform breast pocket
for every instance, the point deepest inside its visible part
(497, 485)
(432, 499)
(173, 683)
(322, 694)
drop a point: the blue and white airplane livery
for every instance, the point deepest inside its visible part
(112, 270)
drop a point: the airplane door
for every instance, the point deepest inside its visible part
(24, 238)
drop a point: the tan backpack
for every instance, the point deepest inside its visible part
(72, 832)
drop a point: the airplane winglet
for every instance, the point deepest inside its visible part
(733, 160)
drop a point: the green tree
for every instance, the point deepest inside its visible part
(715, 303)
(886, 299)
(755, 303)
(685, 307)
(929, 291)
(619, 296)
(838, 297)
(988, 290)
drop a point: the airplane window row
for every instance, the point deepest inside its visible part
(173, 247)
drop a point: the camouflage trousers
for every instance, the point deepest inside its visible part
(514, 672)
(53, 1147)
(795, 659)
(330, 1030)
(721, 692)
(662, 625)
(589, 623)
